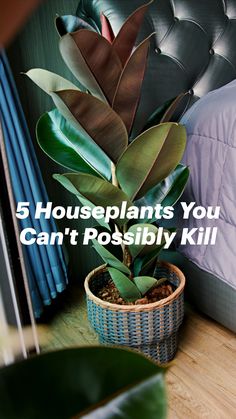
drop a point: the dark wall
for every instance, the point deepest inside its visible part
(37, 46)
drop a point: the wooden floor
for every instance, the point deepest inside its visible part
(201, 381)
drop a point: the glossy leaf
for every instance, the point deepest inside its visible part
(143, 392)
(93, 62)
(82, 381)
(96, 190)
(48, 81)
(145, 265)
(69, 147)
(142, 249)
(168, 192)
(158, 114)
(125, 40)
(175, 105)
(69, 23)
(126, 287)
(156, 153)
(128, 90)
(95, 118)
(98, 221)
(109, 258)
(165, 112)
(145, 283)
(107, 31)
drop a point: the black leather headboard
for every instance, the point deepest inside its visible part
(194, 48)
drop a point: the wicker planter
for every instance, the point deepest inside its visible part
(151, 328)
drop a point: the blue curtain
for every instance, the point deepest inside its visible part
(46, 265)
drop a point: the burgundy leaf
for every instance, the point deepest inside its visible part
(128, 91)
(124, 42)
(93, 61)
(177, 104)
(98, 119)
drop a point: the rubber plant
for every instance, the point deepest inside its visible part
(92, 382)
(89, 133)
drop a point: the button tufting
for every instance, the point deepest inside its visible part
(211, 51)
(157, 50)
(191, 92)
(176, 19)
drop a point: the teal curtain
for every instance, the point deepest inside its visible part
(46, 264)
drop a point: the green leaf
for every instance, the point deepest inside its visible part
(96, 190)
(97, 381)
(156, 153)
(109, 258)
(125, 40)
(126, 287)
(145, 283)
(69, 147)
(69, 23)
(165, 112)
(145, 265)
(86, 113)
(94, 118)
(93, 62)
(128, 90)
(87, 203)
(167, 192)
(48, 81)
(175, 105)
(158, 114)
(142, 249)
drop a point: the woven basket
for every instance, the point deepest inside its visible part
(149, 328)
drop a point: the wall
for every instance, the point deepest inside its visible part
(37, 46)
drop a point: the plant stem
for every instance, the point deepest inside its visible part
(113, 174)
(127, 258)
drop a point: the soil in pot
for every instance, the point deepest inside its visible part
(110, 293)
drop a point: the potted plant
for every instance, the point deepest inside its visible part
(134, 299)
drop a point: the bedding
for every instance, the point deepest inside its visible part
(211, 155)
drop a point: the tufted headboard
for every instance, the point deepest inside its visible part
(194, 49)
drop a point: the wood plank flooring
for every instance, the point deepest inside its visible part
(201, 381)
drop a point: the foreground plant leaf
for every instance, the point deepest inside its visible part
(96, 190)
(145, 283)
(126, 287)
(107, 31)
(128, 90)
(109, 258)
(144, 391)
(93, 62)
(69, 147)
(69, 23)
(95, 118)
(156, 153)
(48, 81)
(124, 42)
(76, 381)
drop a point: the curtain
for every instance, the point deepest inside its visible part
(46, 265)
